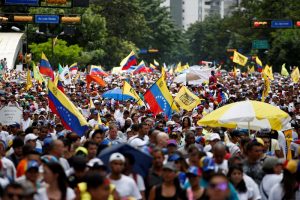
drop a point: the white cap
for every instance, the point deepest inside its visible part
(95, 162)
(30, 136)
(116, 156)
(170, 123)
(214, 136)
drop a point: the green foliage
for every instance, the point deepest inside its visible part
(62, 53)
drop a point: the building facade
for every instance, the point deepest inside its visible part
(186, 12)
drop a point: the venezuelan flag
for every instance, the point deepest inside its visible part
(70, 116)
(160, 99)
(129, 61)
(97, 70)
(73, 67)
(45, 67)
(259, 64)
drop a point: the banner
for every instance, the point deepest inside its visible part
(186, 99)
(10, 115)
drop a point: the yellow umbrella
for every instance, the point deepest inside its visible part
(253, 115)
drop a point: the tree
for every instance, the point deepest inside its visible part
(62, 53)
(163, 34)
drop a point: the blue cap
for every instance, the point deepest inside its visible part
(174, 157)
(208, 164)
(47, 141)
(32, 164)
(194, 170)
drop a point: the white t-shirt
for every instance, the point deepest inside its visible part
(277, 192)
(267, 183)
(139, 182)
(42, 194)
(223, 167)
(126, 187)
(8, 168)
(25, 124)
(92, 122)
(245, 195)
(252, 186)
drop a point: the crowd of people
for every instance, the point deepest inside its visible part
(40, 159)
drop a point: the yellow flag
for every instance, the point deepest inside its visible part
(91, 104)
(239, 58)
(251, 70)
(37, 75)
(258, 61)
(28, 81)
(234, 72)
(163, 73)
(186, 66)
(295, 75)
(269, 72)
(179, 68)
(266, 87)
(284, 71)
(186, 99)
(128, 90)
(152, 66)
(156, 63)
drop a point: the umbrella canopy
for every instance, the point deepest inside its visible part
(116, 94)
(251, 114)
(142, 163)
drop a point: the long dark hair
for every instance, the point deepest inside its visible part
(56, 168)
(288, 184)
(241, 186)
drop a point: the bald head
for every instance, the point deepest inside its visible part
(162, 139)
(219, 151)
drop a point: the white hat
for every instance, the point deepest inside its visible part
(170, 123)
(30, 136)
(95, 162)
(116, 156)
(214, 136)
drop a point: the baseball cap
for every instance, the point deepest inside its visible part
(172, 143)
(214, 136)
(30, 136)
(32, 164)
(3, 143)
(170, 166)
(270, 162)
(207, 164)
(174, 157)
(194, 171)
(95, 163)
(81, 150)
(116, 157)
(170, 123)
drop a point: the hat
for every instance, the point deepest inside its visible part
(49, 159)
(116, 157)
(194, 171)
(32, 164)
(96, 102)
(270, 162)
(170, 123)
(172, 143)
(30, 136)
(82, 150)
(214, 136)
(95, 163)
(170, 166)
(174, 157)
(207, 164)
(291, 166)
(47, 141)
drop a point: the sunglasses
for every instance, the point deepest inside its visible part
(219, 186)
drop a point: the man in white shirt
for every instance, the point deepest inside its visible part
(26, 121)
(219, 152)
(125, 186)
(94, 121)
